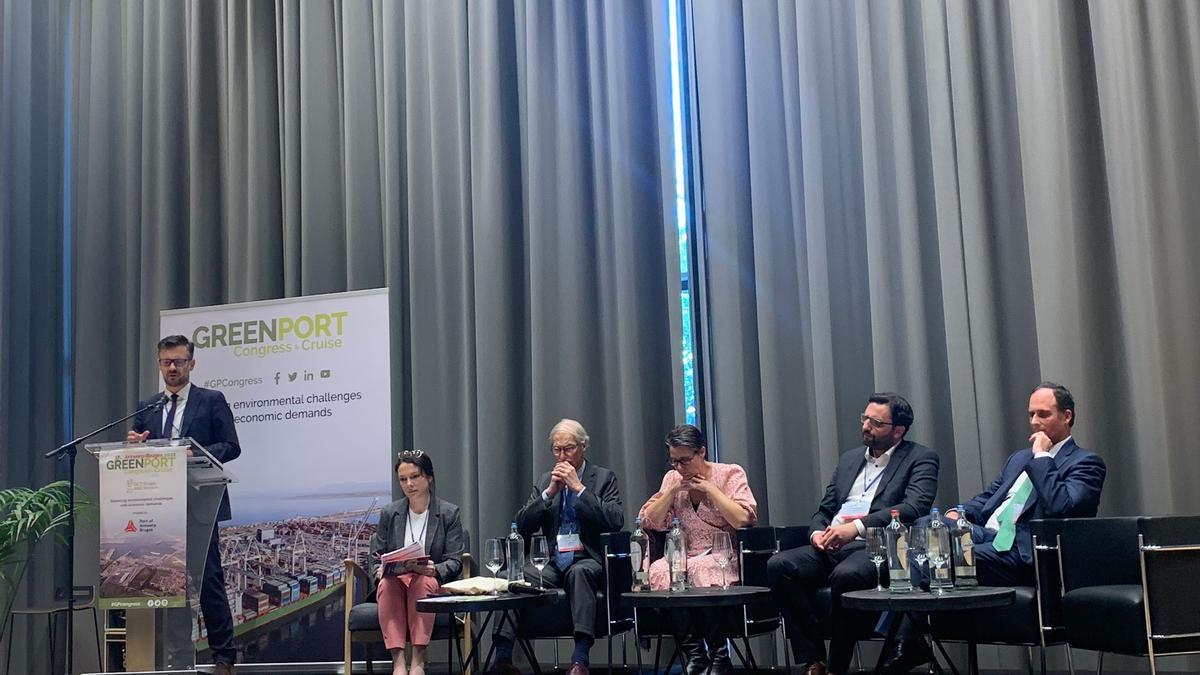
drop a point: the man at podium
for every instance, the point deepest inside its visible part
(204, 416)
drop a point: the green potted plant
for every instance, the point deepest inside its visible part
(26, 517)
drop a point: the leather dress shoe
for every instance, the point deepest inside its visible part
(697, 657)
(815, 668)
(721, 665)
(578, 669)
(908, 654)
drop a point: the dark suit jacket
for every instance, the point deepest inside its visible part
(1067, 486)
(599, 510)
(207, 420)
(909, 483)
(445, 541)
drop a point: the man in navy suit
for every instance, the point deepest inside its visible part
(1053, 478)
(572, 505)
(886, 472)
(204, 416)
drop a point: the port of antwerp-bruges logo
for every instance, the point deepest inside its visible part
(130, 527)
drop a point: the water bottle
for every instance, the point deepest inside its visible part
(964, 552)
(896, 536)
(677, 556)
(938, 548)
(516, 555)
(639, 546)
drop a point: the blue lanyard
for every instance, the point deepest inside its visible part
(868, 486)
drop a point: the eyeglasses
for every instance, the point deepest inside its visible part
(875, 424)
(410, 454)
(564, 449)
(179, 363)
(671, 461)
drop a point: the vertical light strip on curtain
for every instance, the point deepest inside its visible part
(68, 251)
(682, 208)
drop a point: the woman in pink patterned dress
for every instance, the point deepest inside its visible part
(707, 497)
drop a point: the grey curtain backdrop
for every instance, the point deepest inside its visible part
(32, 363)
(499, 166)
(953, 200)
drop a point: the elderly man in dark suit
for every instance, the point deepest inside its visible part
(1053, 478)
(887, 472)
(572, 505)
(204, 416)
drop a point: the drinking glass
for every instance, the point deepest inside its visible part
(539, 555)
(918, 552)
(877, 551)
(939, 557)
(493, 558)
(722, 550)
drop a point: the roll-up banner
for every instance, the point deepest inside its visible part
(308, 380)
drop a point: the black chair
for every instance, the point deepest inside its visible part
(361, 623)
(85, 600)
(756, 545)
(1033, 620)
(612, 618)
(1130, 586)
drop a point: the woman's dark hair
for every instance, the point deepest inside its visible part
(685, 436)
(418, 458)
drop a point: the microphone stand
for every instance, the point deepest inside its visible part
(69, 450)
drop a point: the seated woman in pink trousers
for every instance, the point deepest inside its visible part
(417, 516)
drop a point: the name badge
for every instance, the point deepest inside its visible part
(568, 543)
(854, 509)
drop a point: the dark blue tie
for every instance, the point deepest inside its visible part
(169, 425)
(568, 524)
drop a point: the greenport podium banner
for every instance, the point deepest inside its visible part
(309, 382)
(143, 527)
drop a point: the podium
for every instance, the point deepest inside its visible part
(158, 632)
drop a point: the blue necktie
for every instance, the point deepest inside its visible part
(568, 524)
(168, 430)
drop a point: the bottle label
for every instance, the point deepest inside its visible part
(968, 549)
(902, 551)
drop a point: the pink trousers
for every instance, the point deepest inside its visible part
(398, 615)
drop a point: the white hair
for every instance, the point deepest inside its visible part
(575, 429)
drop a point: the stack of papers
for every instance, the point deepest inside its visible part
(393, 560)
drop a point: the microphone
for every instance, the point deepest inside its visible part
(160, 403)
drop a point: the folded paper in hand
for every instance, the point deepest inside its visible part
(392, 560)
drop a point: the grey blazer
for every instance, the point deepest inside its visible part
(444, 539)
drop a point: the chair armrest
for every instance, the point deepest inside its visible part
(354, 571)
(355, 575)
(758, 539)
(791, 536)
(616, 543)
(1047, 530)
(1160, 531)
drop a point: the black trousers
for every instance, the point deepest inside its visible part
(583, 580)
(797, 574)
(214, 604)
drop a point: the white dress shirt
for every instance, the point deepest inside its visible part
(862, 490)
